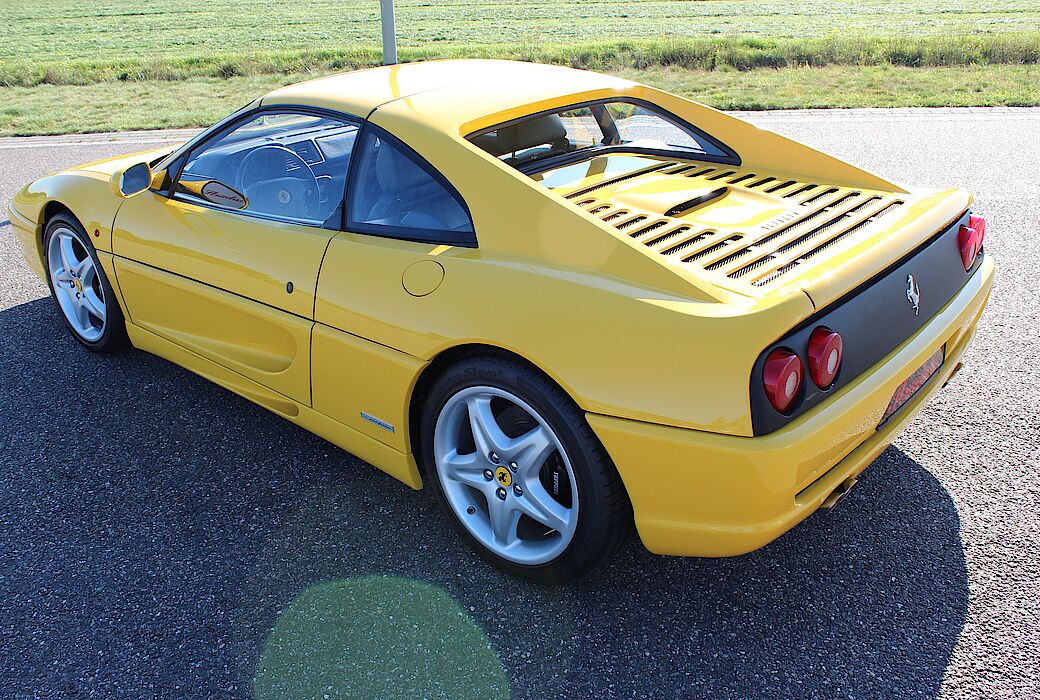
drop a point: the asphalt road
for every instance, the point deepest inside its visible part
(154, 528)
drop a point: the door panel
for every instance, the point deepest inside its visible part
(264, 344)
(253, 257)
(215, 282)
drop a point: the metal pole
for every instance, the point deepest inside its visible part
(386, 16)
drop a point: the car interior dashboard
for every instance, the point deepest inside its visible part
(300, 174)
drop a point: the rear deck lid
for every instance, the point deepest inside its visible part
(754, 233)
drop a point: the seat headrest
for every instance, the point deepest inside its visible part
(523, 135)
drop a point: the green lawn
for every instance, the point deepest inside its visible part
(48, 30)
(84, 65)
(152, 104)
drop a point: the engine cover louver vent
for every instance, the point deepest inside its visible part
(819, 216)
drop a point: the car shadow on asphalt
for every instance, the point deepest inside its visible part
(155, 528)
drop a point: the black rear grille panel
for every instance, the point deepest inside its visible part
(874, 318)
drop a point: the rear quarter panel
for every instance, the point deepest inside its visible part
(618, 349)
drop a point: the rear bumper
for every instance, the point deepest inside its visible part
(703, 494)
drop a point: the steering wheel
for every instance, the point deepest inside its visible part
(276, 180)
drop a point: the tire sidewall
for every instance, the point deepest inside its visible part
(544, 398)
(114, 336)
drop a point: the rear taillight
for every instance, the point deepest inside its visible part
(969, 239)
(782, 378)
(824, 354)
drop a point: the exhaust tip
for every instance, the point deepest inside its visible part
(838, 494)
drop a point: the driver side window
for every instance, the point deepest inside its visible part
(284, 165)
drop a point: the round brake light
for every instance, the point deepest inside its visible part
(970, 238)
(782, 378)
(825, 347)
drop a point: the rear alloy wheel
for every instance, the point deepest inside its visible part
(496, 475)
(80, 289)
(520, 472)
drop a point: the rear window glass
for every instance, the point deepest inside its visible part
(596, 128)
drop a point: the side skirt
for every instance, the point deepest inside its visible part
(397, 464)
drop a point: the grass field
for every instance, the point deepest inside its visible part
(64, 64)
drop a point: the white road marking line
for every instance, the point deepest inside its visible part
(765, 117)
(114, 142)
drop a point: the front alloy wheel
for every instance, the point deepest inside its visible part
(77, 286)
(81, 291)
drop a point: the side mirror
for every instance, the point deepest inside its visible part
(134, 180)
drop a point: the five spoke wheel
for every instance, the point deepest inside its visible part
(77, 286)
(506, 475)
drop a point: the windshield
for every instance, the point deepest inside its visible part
(593, 128)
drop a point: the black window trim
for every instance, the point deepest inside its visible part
(463, 239)
(228, 125)
(729, 157)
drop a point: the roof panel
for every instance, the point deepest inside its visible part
(446, 93)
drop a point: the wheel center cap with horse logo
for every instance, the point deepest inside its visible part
(503, 477)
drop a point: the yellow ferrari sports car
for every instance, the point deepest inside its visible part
(573, 305)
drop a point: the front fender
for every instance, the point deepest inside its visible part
(85, 191)
(87, 195)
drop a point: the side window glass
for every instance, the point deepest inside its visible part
(396, 193)
(286, 165)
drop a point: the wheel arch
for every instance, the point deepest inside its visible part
(53, 208)
(448, 357)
